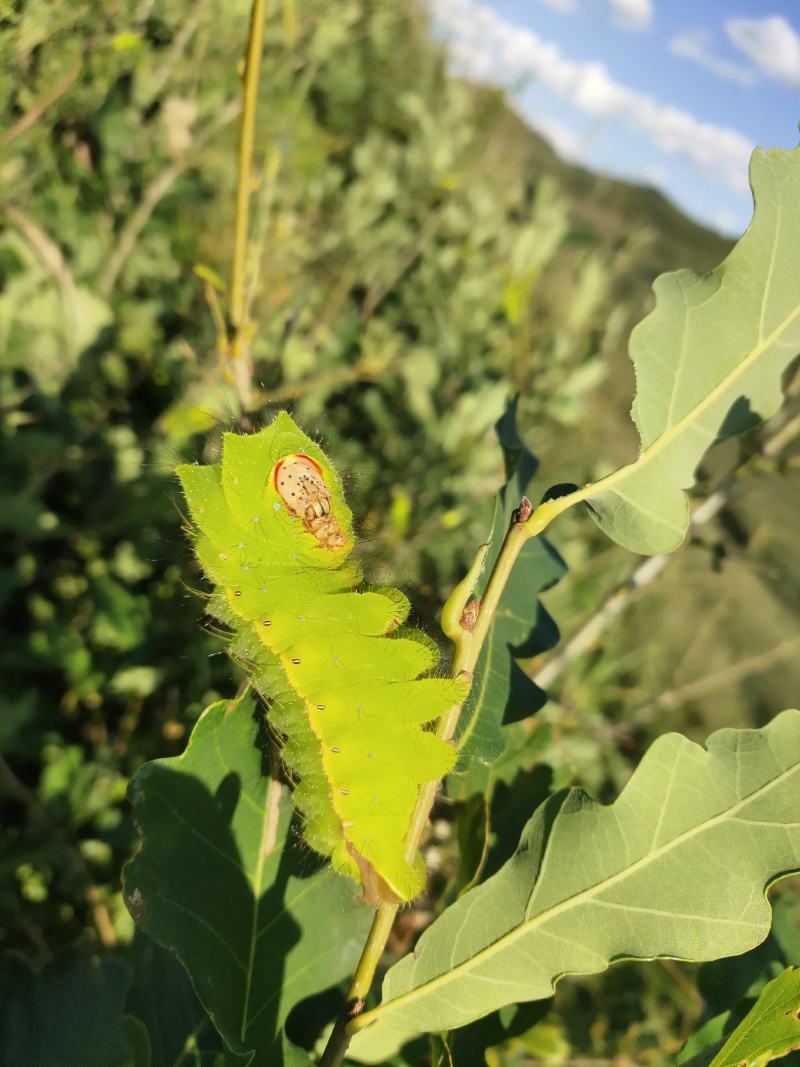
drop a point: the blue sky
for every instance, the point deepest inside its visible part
(672, 92)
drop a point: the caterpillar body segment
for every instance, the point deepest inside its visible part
(340, 672)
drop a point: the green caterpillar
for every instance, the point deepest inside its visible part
(273, 534)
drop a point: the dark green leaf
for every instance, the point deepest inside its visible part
(501, 690)
(163, 999)
(69, 1015)
(221, 882)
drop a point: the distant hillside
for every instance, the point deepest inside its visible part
(635, 226)
(608, 206)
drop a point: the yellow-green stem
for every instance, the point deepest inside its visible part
(468, 644)
(239, 342)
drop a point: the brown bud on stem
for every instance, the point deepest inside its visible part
(523, 512)
(469, 616)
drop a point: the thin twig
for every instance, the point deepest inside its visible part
(379, 290)
(730, 675)
(365, 370)
(153, 194)
(177, 48)
(51, 258)
(35, 113)
(45, 248)
(239, 346)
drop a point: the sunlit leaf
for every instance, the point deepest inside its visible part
(770, 1030)
(677, 866)
(708, 362)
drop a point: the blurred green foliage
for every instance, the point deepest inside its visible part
(421, 255)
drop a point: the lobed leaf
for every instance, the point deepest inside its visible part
(770, 1030)
(163, 1001)
(676, 867)
(708, 363)
(69, 1015)
(502, 692)
(218, 881)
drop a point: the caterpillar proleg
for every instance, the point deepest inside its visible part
(348, 687)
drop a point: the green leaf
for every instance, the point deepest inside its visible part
(770, 1030)
(525, 744)
(138, 1042)
(501, 690)
(70, 1015)
(218, 881)
(676, 867)
(163, 1000)
(708, 362)
(730, 987)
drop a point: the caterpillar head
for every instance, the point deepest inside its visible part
(300, 483)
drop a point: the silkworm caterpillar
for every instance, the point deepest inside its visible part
(349, 689)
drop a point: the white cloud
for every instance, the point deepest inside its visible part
(771, 43)
(696, 45)
(489, 48)
(567, 7)
(634, 14)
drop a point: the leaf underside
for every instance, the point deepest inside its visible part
(676, 867)
(708, 362)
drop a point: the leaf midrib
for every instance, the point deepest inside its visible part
(578, 898)
(777, 1007)
(257, 886)
(672, 433)
(480, 696)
